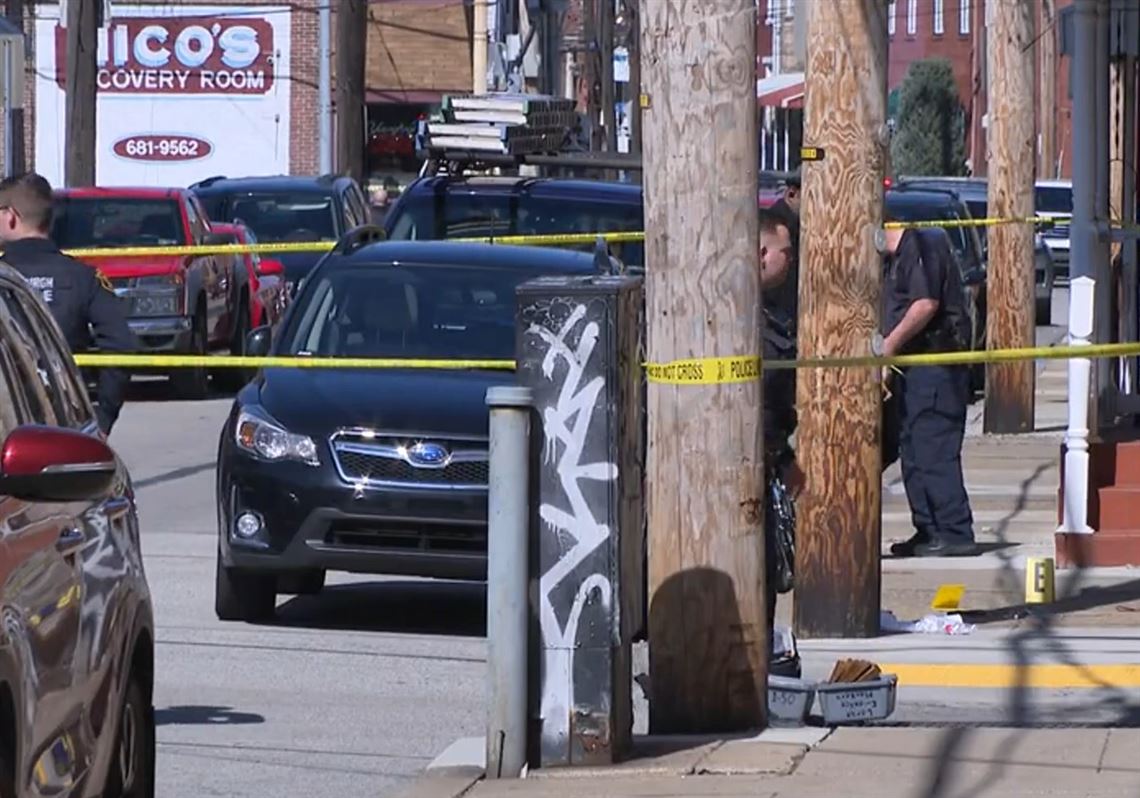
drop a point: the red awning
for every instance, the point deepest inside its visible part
(781, 91)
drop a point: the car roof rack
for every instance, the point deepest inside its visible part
(359, 236)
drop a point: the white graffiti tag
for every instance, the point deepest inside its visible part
(567, 422)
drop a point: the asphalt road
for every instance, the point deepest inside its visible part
(351, 692)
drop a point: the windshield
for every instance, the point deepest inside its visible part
(113, 222)
(484, 215)
(391, 311)
(1054, 199)
(278, 217)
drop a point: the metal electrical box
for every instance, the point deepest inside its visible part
(579, 349)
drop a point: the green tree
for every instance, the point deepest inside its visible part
(930, 127)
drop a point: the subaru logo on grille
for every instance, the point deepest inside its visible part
(428, 455)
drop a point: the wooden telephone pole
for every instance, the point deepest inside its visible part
(839, 523)
(80, 97)
(351, 41)
(1009, 283)
(707, 625)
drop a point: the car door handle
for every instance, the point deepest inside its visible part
(70, 539)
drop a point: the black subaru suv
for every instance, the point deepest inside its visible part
(371, 470)
(287, 208)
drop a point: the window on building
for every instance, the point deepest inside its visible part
(963, 17)
(911, 17)
(892, 12)
(939, 22)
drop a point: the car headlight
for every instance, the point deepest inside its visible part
(266, 439)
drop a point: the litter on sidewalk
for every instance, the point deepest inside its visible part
(934, 623)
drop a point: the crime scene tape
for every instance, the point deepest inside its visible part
(1044, 221)
(690, 371)
(246, 362)
(202, 249)
(551, 239)
(556, 239)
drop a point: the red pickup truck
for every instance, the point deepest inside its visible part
(184, 304)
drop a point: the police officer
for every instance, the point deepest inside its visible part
(782, 300)
(779, 385)
(80, 298)
(925, 311)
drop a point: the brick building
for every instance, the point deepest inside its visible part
(417, 51)
(920, 29)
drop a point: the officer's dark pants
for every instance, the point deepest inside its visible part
(932, 406)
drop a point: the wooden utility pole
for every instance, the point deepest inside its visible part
(80, 97)
(707, 627)
(838, 523)
(351, 39)
(1047, 98)
(1010, 319)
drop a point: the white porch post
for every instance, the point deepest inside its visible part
(1076, 492)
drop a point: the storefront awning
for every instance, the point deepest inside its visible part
(781, 91)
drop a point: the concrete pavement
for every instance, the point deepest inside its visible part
(822, 763)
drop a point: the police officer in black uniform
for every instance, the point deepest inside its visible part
(779, 385)
(925, 311)
(80, 298)
(782, 300)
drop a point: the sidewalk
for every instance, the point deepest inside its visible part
(844, 763)
(973, 713)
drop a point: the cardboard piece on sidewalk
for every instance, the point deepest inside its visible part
(854, 670)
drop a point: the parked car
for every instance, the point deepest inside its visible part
(262, 298)
(974, 191)
(458, 206)
(1054, 198)
(77, 650)
(923, 204)
(182, 304)
(370, 471)
(288, 208)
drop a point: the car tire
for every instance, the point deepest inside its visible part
(234, 379)
(133, 764)
(1045, 311)
(243, 595)
(193, 384)
(302, 583)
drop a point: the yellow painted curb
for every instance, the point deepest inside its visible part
(1009, 676)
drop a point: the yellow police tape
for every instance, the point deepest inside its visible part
(552, 239)
(291, 362)
(690, 371)
(201, 249)
(993, 221)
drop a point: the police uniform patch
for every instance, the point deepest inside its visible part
(104, 281)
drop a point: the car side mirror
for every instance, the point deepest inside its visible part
(216, 239)
(270, 267)
(51, 464)
(258, 341)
